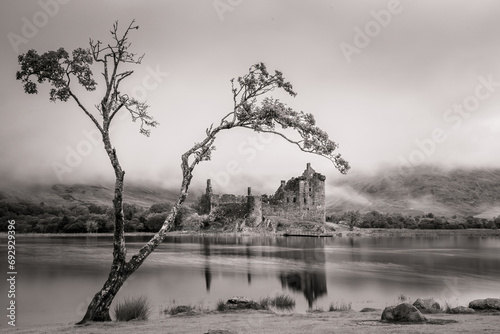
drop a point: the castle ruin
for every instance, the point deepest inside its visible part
(301, 198)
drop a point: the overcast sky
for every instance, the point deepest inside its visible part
(394, 83)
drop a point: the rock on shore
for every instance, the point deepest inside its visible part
(462, 310)
(485, 304)
(404, 312)
(427, 306)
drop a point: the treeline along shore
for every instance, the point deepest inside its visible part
(92, 218)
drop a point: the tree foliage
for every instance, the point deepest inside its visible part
(60, 69)
(270, 116)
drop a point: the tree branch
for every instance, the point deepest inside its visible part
(94, 120)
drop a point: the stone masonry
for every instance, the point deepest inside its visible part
(301, 198)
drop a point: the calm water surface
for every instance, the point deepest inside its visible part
(57, 276)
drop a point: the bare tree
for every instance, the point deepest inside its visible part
(251, 110)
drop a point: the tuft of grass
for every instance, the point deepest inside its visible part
(282, 301)
(265, 303)
(221, 305)
(339, 306)
(403, 298)
(133, 309)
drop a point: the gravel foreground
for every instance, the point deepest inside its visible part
(272, 323)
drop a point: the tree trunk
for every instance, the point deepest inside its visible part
(98, 309)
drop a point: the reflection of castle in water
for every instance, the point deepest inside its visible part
(312, 279)
(307, 253)
(312, 284)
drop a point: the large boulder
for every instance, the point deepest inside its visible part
(485, 304)
(427, 306)
(404, 312)
(462, 310)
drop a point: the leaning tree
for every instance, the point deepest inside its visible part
(251, 110)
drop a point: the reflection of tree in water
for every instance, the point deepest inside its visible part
(249, 273)
(208, 272)
(311, 280)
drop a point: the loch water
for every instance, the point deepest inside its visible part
(58, 275)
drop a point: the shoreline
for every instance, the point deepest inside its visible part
(274, 322)
(357, 232)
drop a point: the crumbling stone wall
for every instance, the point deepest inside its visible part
(300, 198)
(254, 207)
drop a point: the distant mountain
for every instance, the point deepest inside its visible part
(466, 192)
(70, 195)
(421, 190)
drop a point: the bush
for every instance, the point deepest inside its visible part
(221, 305)
(132, 309)
(155, 221)
(228, 212)
(265, 303)
(76, 227)
(160, 208)
(202, 205)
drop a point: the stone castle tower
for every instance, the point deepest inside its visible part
(301, 198)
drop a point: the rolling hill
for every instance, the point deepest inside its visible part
(464, 192)
(70, 195)
(422, 190)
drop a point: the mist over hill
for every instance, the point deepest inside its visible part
(420, 190)
(77, 194)
(427, 189)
